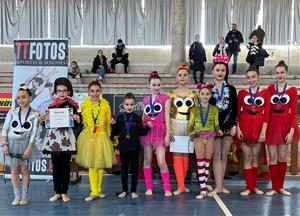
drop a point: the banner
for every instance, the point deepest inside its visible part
(5, 104)
(37, 63)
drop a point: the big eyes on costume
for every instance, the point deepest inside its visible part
(157, 109)
(179, 102)
(17, 129)
(259, 101)
(284, 99)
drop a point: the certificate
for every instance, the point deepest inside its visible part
(182, 144)
(60, 118)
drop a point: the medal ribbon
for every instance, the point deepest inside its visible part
(127, 122)
(251, 95)
(26, 117)
(220, 96)
(203, 121)
(277, 90)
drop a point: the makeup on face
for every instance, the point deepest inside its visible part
(23, 99)
(155, 86)
(252, 78)
(129, 105)
(95, 92)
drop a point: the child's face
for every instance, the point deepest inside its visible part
(95, 92)
(23, 99)
(62, 92)
(129, 105)
(252, 78)
(219, 72)
(155, 86)
(73, 65)
(280, 74)
(183, 77)
(205, 95)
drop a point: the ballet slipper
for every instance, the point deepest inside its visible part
(55, 198)
(24, 201)
(270, 193)
(258, 191)
(285, 192)
(245, 192)
(134, 195)
(65, 198)
(149, 192)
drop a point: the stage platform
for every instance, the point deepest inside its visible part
(186, 204)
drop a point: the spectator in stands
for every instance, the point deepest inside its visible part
(234, 38)
(220, 51)
(197, 58)
(100, 65)
(259, 33)
(120, 55)
(74, 70)
(256, 54)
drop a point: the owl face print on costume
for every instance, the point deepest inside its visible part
(153, 110)
(182, 107)
(280, 102)
(19, 126)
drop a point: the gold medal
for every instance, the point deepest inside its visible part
(128, 136)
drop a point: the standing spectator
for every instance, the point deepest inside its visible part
(120, 55)
(100, 65)
(260, 34)
(256, 54)
(234, 38)
(197, 58)
(220, 51)
(74, 70)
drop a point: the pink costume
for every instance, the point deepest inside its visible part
(156, 116)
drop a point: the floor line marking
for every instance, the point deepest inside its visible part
(220, 202)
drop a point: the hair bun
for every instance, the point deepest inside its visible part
(281, 62)
(153, 73)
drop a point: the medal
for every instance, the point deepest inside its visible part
(127, 124)
(26, 117)
(152, 108)
(220, 96)
(95, 119)
(203, 121)
(253, 99)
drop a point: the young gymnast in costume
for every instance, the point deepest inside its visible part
(203, 128)
(224, 97)
(181, 100)
(61, 142)
(157, 111)
(18, 133)
(282, 128)
(253, 118)
(95, 150)
(128, 126)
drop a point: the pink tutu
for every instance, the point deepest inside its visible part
(156, 136)
(207, 134)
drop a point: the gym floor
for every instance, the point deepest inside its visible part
(185, 204)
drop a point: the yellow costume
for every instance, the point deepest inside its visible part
(180, 115)
(94, 148)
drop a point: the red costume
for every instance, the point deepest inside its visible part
(283, 115)
(252, 114)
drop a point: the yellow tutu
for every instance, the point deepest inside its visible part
(95, 150)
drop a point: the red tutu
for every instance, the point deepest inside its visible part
(278, 128)
(251, 126)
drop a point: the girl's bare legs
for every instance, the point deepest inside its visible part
(15, 180)
(164, 171)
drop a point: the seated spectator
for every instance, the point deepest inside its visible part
(74, 70)
(120, 55)
(220, 51)
(256, 54)
(100, 65)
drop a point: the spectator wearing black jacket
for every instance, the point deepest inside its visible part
(256, 54)
(197, 58)
(234, 38)
(100, 65)
(120, 55)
